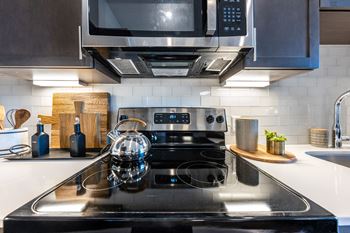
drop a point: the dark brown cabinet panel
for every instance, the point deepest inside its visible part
(287, 34)
(41, 33)
(335, 27)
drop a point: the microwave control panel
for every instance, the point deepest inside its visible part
(232, 18)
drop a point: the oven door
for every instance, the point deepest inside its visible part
(149, 23)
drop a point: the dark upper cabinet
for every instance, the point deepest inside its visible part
(287, 33)
(334, 21)
(39, 33)
(335, 4)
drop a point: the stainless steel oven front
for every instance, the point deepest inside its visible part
(167, 23)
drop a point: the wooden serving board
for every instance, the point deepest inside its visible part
(89, 124)
(262, 155)
(63, 103)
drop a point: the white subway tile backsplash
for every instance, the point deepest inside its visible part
(298, 91)
(132, 81)
(162, 91)
(170, 82)
(142, 90)
(129, 101)
(102, 88)
(209, 82)
(182, 91)
(339, 51)
(122, 90)
(220, 91)
(150, 82)
(152, 101)
(21, 90)
(191, 101)
(337, 71)
(210, 101)
(290, 106)
(288, 82)
(5, 89)
(171, 101)
(46, 101)
(190, 82)
(201, 91)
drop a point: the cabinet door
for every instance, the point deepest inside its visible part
(287, 34)
(335, 4)
(40, 33)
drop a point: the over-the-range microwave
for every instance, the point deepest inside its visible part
(168, 23)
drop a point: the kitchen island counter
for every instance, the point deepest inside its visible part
(22, 181)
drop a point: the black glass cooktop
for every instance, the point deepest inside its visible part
(195, 190)
(172, 181)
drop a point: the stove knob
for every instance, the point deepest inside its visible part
(211, 179)
(220, 119)
(221, 179)
(210, 119)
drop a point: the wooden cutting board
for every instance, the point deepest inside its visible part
(262, 155)
(63, 103)
(89, 123)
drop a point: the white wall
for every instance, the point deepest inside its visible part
(289, 106)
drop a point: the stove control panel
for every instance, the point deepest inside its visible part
(176, 118)
(171, 118)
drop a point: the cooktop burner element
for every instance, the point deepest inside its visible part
(128, 172)
(189, 184)
(214, 174)
(213, 154)
(89, 185)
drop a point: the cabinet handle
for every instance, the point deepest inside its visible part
(211, 17)
(254, 31)
(254, 43)
(80, 49)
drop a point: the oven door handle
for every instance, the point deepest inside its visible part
(211, 17)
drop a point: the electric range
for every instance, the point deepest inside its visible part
(188, 182)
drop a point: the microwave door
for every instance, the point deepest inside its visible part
(149, 23)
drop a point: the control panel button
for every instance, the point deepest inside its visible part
(210, 119)
(219, 119)
(232, 20)
(123, 117)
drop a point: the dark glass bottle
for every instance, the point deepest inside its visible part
(77, 141)
(40, 141)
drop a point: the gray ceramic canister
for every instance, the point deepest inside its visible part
(247, 131)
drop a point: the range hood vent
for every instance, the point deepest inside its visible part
(218, 65)
(170, 72)
(124, 66)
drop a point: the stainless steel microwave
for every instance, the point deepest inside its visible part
(168, 23)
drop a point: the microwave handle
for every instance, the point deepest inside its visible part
(211, 17)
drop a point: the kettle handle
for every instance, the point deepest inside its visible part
(143, 123)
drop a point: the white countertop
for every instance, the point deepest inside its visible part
(325, 183)
(22, 181)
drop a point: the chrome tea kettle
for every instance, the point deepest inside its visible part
(130, 145)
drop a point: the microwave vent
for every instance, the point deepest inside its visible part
(170, 72)
(218, 65)
(124, 66)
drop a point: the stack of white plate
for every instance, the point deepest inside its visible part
(319, 137)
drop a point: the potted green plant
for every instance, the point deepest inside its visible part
(279, 144)
(269, 145)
